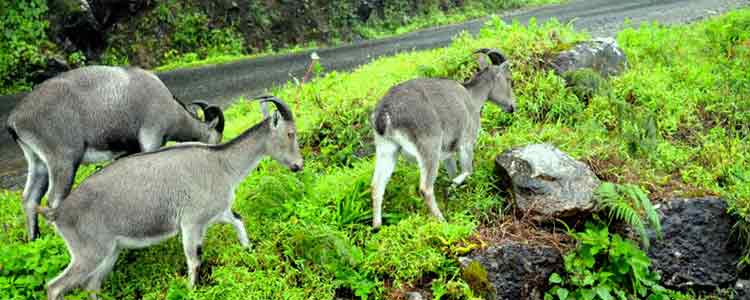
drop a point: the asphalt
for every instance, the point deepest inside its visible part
(220, 84)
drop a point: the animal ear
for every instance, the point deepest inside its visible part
(214, 113)
(196, 111)
(505, 68)
(483, 61)
(264, 108)
(275, 119)
(213, 123)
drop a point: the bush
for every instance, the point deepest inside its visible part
(26, 269)
(605, 267)
(23, 26)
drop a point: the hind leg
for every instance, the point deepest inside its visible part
(36, 186)
(85, 259)
(94, 282)
(385, 162)
(62, 173)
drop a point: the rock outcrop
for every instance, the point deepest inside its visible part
(698, 249)
(514, 271)
(602, 55)
(546, 182)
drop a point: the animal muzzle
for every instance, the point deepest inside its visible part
(297, 166)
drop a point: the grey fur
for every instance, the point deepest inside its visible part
(145, 198)
(432, 120)
(94, 114)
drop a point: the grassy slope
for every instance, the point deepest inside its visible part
(311, 232)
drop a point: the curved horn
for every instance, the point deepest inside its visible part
(283, 109)
(213, 112)
(200, 103)
(496, 57)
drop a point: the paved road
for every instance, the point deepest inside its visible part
(222, 83)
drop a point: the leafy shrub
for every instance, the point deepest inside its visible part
(630, 204)
(22, 28)
(413, 248)
(26, 268)
(586, 83)
(605, 267)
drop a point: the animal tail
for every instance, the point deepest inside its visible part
(49, 213)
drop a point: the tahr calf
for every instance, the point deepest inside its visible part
(94, 114)
(432, 120)
(145, 198)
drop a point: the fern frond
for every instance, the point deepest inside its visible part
(629, 204)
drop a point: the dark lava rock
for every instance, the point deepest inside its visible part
(546, 182)
(698, 250)
(742, 290)
(516, 271)
(601, 55)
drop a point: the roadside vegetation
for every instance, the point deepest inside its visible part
(675, 124)
(177, 34)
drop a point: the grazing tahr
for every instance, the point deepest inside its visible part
(94, 114)
(432, 120)
(146, 198)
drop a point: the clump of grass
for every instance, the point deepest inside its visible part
(476, 276)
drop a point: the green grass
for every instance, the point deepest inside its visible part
(675, 123)
(191, 60)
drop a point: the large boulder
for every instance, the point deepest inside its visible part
(513, 271)
(546, 182)
(698, 250)
(603, 55)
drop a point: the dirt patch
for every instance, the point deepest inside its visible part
(522, 231)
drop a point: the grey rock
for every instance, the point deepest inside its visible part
(698, 250)
(546, 182)
(413, 296)
(518, 271)
(602, 55)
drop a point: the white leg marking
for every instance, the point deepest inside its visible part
(385, 162)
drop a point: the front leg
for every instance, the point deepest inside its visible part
(234, 219)
(150, 140)
(450, 166)
(466, 158)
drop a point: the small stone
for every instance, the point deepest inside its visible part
(413, 296)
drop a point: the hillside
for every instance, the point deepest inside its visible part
(675, 124)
